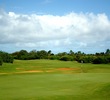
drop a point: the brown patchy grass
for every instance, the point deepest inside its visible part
(67, 69)
(21, 70)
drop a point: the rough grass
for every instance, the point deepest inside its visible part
(89, 82)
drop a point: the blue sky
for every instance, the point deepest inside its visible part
(58, 7)
(57, 25)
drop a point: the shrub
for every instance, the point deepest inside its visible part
(53, 57)
(100, 60)
(7, 58)
(66, 58)
(1, 61)
(86, 59)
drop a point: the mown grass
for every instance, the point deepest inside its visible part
(89, 82)
(25, 65)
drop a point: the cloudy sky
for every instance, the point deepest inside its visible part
(57, 25)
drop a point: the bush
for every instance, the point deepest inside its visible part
(7, 58)
(100, 60)
(1, 61)
(108, 58)
(66, 58)
(86, 59)
(53, 57)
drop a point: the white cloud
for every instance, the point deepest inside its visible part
(74, 30)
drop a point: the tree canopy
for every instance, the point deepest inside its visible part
(5, 57)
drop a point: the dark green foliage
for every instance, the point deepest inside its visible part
(78, 56)
(5, 57)
(23, 55)
(107, 52)
(33, 54)
(66, 58)
(42, 54)
(53, 57)
(108, 58)
(1, 61)
(100, 60)
(86, 59)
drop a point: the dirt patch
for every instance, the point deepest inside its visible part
(50, 71)
(67, 69)
(2, 73)
(19, 68)
(31, 71)
(34, 71)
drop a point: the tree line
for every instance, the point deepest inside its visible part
(81, 57)
(97, 58)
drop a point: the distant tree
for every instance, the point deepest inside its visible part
(71, 53)
(100, 60)
(66, 58)
(1, 61)
(107, 52)
(108, 58)
(7, 58)
(49, 52)
(33, 54)
(97, 54)
(15, 55)
(86, 59)
(53, 57)
(23, 55)
(62, 54)
(102, 57)
(78, 56)
(102, 53)
(42, 54)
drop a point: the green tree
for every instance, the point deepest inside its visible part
(33, 54)
(49, 52)
(42, 54)
(71, 53)
(1, 61)
(22, 55)
(66, 58)
(100, 60)
(107, 52)
(7, 58)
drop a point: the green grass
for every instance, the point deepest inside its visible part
(24, 65)
(89, 82)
